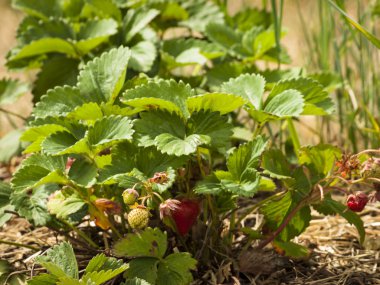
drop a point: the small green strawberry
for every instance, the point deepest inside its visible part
(138, 218)
(130, 196)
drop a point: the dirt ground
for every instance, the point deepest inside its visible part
(336, 258)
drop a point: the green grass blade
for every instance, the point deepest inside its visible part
(359, 27)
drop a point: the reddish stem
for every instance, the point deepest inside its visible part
(282, 226)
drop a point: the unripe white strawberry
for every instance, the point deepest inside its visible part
(130, 196)
(138, 218)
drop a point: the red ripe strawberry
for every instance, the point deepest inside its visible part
(356, 202)
(185, 215)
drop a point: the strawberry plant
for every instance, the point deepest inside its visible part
(58, 37)
(61, 262)
(169, 146)
(156, 167)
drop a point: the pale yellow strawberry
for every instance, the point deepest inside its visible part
(138, 218)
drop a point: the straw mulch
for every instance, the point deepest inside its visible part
(336, 257)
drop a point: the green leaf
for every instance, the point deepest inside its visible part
(100, 277)
(47, 162)
(5, 193)
(251, 17)
(214, 130)
(136, 20)
(122, 157)
(248, 186)
(110, 130)
(59, 143)
(93, 33)
(38, 134)
(144, 268)
(182, 52)
(170, 11)
(10, 145)
(242, 178)
(329, 80)
(276, 165)
(126, 157)
(45, 45)
(251, 233)
(263, 42)
(173, 145)
(150, 242)
(70, 281)
(83, 172)
(215, 102)
(59, 101)
(201, 13)
(276, 212)
(330, 207)
(321, 157)
(249, 86)
(104, 9)
(65, 143)
(289, 103)
(223, 72)
(11, 90)
(143, 55)
(222, 35)
(39, 9)
(246, 157)
(54, 28)
(43, 279)
(87, 112)
(171, 96)
(175, 269)
(32, 176)
(32, 205)
(209, 185)
(102, 262)
(102, 78)
(38, 169)
(61, 260)
(293, 250)
(135, 281)
(66, 207)
(317, 101)
(155, 123)
(372, 38)
(273, 76)
(56, 71)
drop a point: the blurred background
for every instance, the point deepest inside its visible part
(318, 39)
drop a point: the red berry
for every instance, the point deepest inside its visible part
(185, 215)
(356, 202)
